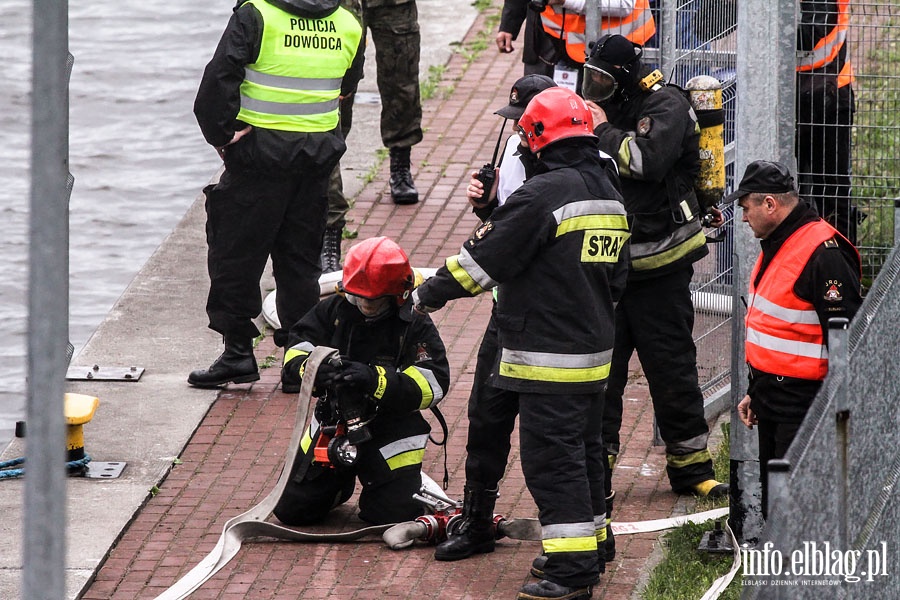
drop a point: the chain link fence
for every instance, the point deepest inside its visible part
(700, 37)
(839, 479)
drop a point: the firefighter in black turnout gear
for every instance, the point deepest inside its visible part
(491, 411)
(393, 365)
(268, 103)
(651, 130)
(556, 251)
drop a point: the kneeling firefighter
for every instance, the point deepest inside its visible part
(367, 421)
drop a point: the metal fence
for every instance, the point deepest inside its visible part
(700, 37)
(697, 37)
(841, 473)
(843, 469)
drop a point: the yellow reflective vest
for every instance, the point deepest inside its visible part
(295, 83)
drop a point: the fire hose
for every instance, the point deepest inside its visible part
(431, 528)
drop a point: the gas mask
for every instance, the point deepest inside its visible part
(612, 65)
(599, 82)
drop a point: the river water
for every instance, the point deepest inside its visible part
(136, 153)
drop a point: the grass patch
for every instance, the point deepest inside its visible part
(685, 573)
(428, 87)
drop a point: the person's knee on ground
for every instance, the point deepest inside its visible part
(392, 501)
(310, 502)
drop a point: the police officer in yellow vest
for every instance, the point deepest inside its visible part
(268, 103)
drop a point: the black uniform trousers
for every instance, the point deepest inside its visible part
(824, 126)
(387, 494)
(775, 437)
(252, 215)
(492, 417)
(656, 318)
(563, 464)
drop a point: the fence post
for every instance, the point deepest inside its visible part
(838, 375)
(44, 522)
(896, 221)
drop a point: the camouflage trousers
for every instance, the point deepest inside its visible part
(395, 33)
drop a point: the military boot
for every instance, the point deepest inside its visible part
(236, 365)
(403, 190)
(475, 532)
(331, 250)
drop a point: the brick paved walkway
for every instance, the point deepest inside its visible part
(235, 456)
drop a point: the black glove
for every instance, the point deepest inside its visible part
(357, 375)
(326, 374)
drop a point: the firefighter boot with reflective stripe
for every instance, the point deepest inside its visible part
(607, 549)
(547, 590)
(236, 365)
(475, 532)
(540, 561)
(403, 190)
(331, 250)
(709, 489)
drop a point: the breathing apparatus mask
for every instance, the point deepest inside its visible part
(613, 64)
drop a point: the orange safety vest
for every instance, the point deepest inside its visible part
(784, 334)
(828, 47)
(638, 27)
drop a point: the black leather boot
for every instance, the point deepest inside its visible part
(331, 250)
(547, 590)
(236, 365)
(475, 533)
(403, 190)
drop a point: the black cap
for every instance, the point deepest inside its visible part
(523, 90)
(763, 177)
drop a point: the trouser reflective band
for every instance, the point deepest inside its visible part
(569, 537)
(685, 460)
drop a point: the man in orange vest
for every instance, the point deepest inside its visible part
(555, 42)
(806, 274)
(825, 112)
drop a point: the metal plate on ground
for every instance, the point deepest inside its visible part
(98, 373)
(104, 470)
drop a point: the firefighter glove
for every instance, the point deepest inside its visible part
(357, 375)
(326, 374)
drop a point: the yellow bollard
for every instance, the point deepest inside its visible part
(78, 409)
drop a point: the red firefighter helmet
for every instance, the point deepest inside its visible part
(377, 267)
(554, 114)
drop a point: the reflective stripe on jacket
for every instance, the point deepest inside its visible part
(638, 27)
(654, 137)
(828, 48)
(784, 334)
(295, 82)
